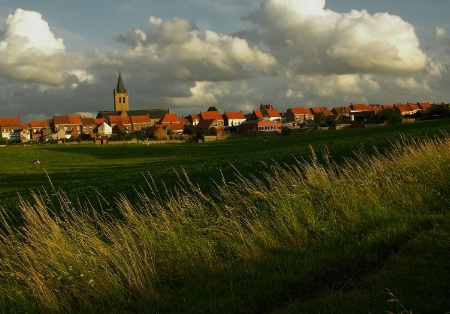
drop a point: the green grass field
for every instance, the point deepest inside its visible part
(349, 221)
(80, 170)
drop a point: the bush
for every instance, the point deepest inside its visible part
(285, 130)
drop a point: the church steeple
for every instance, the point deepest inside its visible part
(120, 86)
(121, 96)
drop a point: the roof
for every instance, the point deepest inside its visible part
(388, 107)
(120, 87)
(205, 123)
(273, 113)
(299, 110)
(169, 118)
(119, 119)
(175, 126)
(208, 115)
(10, 122)
(402, 108)
(234, 115)
(88, 121)
(140, 119)
(39, 124)
(424, 105)
(341, 110)
(258, 113)
(360, 107)
(67, 120)
(152, 113)
(24, 126)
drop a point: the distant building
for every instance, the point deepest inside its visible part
(121, 96)
(122, 106)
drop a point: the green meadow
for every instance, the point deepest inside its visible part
(348, 221)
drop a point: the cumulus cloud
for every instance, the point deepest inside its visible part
(440, 32)
(306, 38)
(31, 52)
(177, 50)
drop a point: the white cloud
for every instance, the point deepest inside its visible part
(306, 38)
(31, 53)
(177, 50)
(440, 32)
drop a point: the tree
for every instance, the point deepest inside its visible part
(212, 108)
(285, 130)
(388, 115)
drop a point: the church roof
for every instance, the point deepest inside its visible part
(152, 113)
(120, 86)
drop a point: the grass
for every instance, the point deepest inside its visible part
(291, 230)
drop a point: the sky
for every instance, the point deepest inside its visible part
(61, 57)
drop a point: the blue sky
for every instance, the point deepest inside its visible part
(61, 57)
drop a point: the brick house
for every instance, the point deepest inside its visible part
(233, 118)
(298, 115)
(10, 128)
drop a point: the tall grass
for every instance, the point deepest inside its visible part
(66, 255)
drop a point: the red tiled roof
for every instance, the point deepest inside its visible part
(414, 107)
(140, 119)
(273, 113)
(205, 123)
(75, 119)
(176, 126)
(169, 118)
(24, 126)
(402, 107)
(207, 115)
(360, 107)
(300, 111)
(10, 122)
(119, 119)
(88, 120)
(388, 107)
(316, 110)
(39, 124)
(424, 105)
(234, 115)
(258, 114)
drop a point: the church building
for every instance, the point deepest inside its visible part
(121, 96)
(122, 107)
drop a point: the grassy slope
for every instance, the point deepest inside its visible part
(346, 271)
(81, 169)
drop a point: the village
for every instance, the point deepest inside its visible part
(160, 124)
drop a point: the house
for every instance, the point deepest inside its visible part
(139, 123)
(193, 119)
(25, 131)
(168, 118)
(210, 115)
(403, 109)
(174, 128)
(88, 126)
(103, 129)
(256, 115)
(271, 114)
(259, 126)
(39, 129)
(157, 132)
(120, 123)
(71, 124)
(10, 128)
(206, 124)
(233, 118)
(414, 108)
(424, 106)
(298, 115)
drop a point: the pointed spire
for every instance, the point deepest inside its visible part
(120, 86)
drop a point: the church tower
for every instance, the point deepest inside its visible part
(121, 96)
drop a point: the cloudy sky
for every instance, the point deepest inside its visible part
(63, 57)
